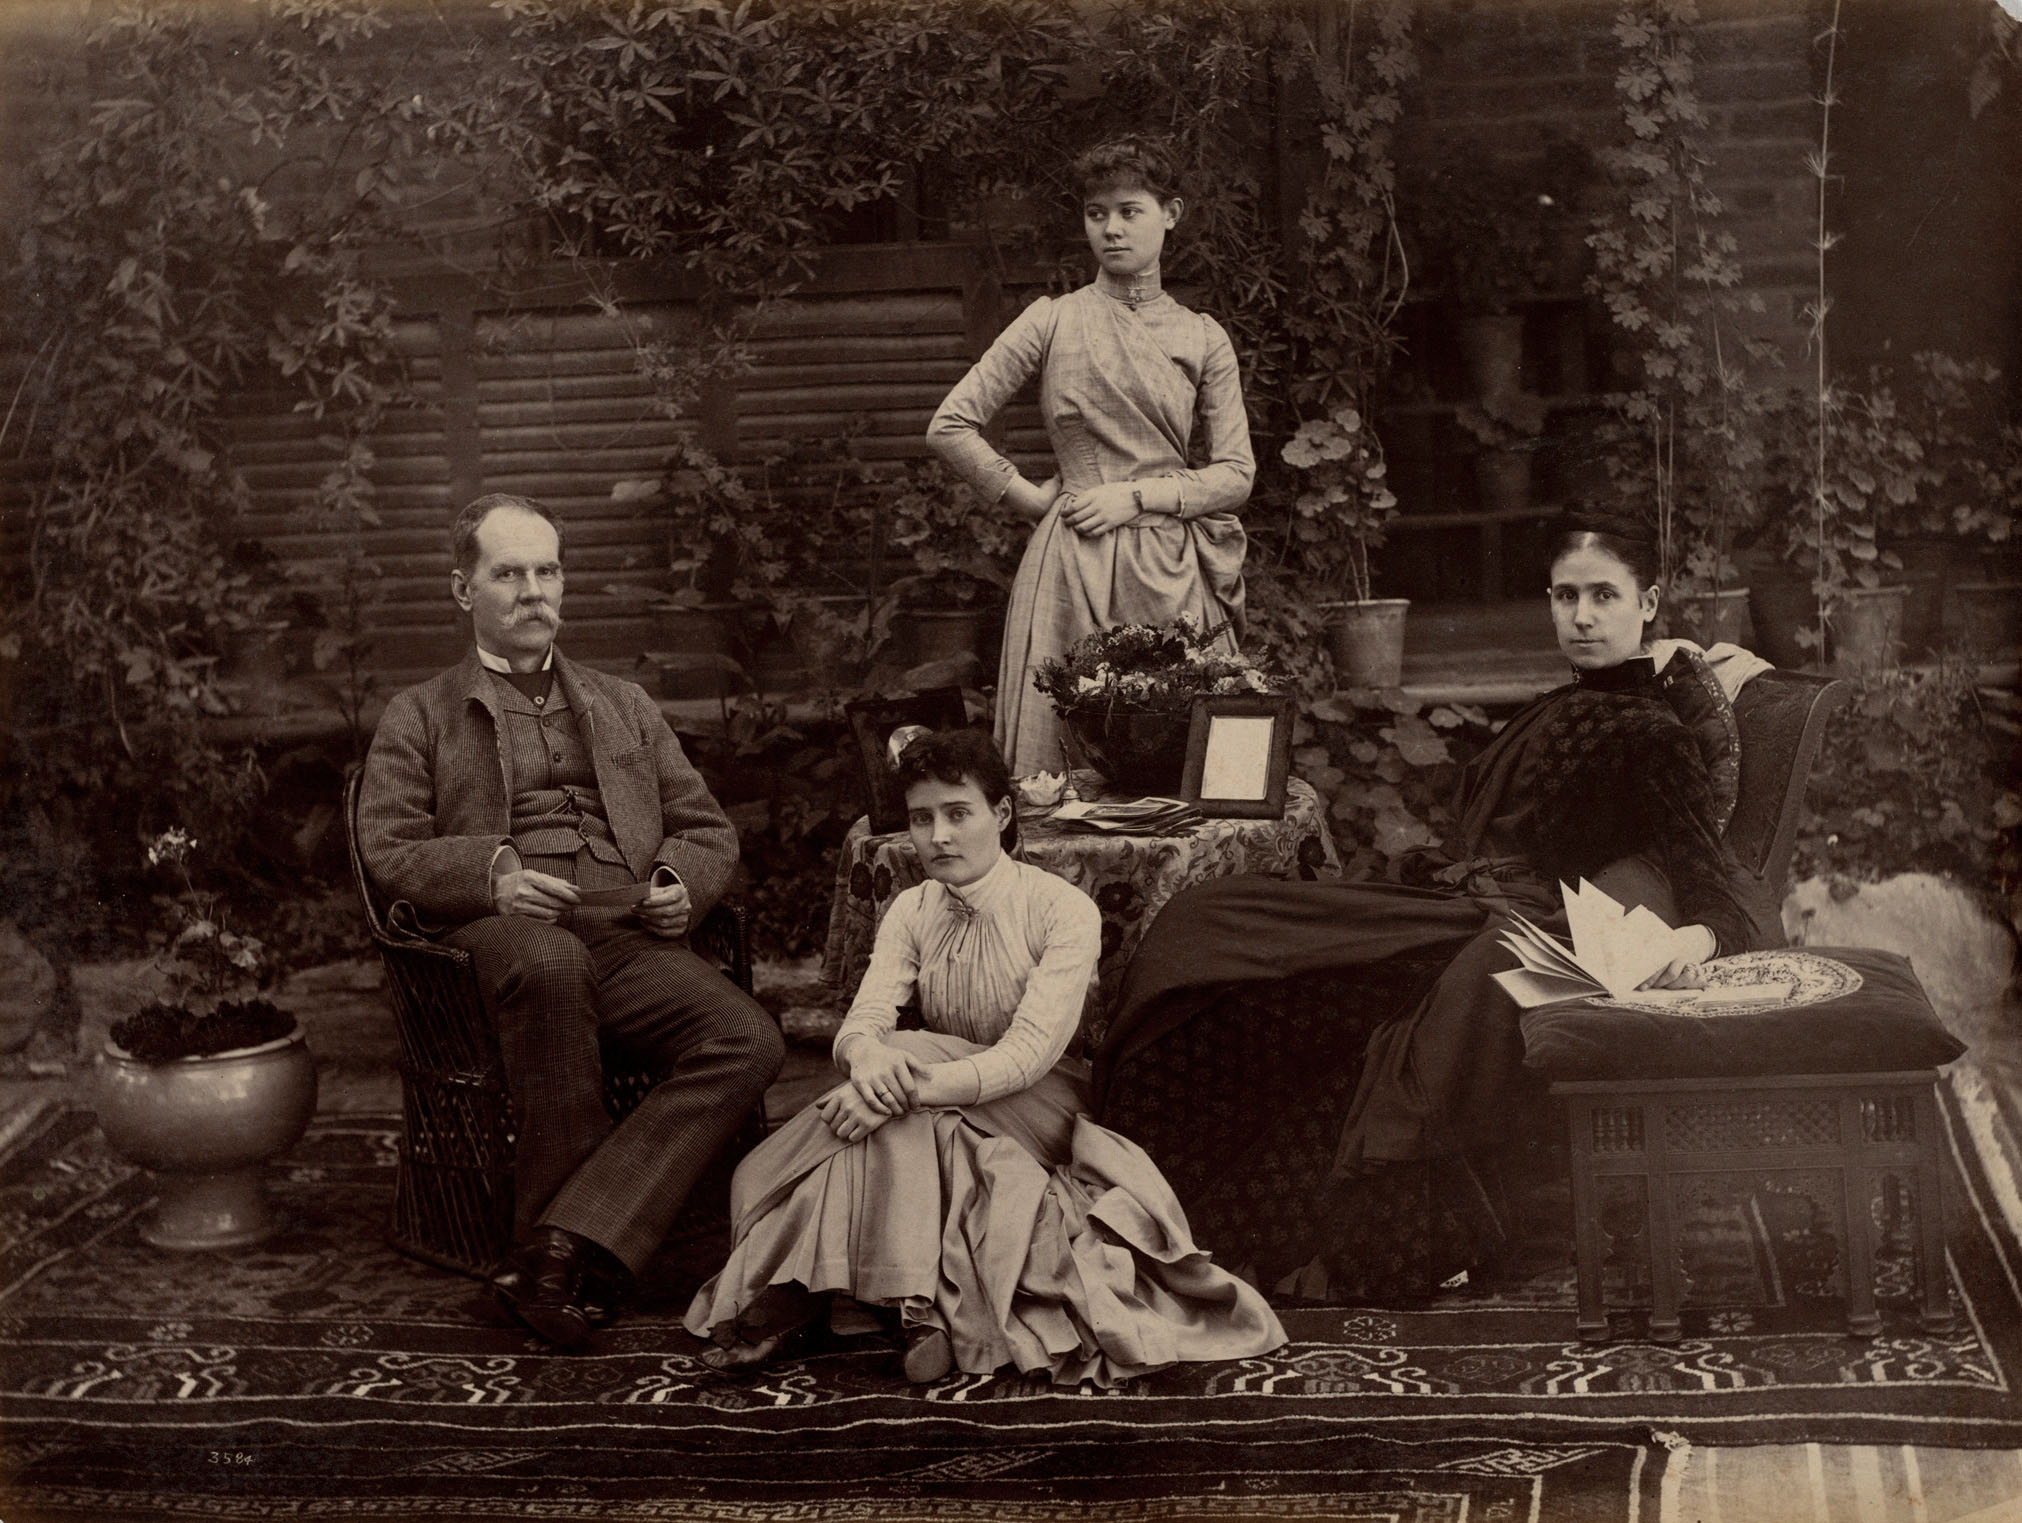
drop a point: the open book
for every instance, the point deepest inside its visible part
(1612, 951)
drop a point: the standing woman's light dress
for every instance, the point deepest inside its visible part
(1035, 1237)
(1126, 375)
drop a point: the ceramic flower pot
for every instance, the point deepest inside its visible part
(1367, 641)
(1988, 617)
(1714, 618)
(1867, 630)
(1492, 348)
(941, 634)
(206, 1126)
(1781, 604)
(1138, 752)
(1503, 479)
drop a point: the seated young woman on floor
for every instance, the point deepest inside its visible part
(956, 1179)
(1326, 1072)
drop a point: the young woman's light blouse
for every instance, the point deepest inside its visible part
(1005, 962)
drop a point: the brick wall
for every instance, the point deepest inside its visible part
(1504, 75)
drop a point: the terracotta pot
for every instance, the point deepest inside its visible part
(940, 634)
(1503, 479)
(1567, 257)
(1928, 569)
(1367, 640)
(206, 1125)
(1142, 753)
(1988, 617)
(1867, 630)
(1714, 618)
(1492, 348)
(1780, 605)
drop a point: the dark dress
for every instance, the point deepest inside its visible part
(1326, 1073)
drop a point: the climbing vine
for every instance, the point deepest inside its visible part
(166, 267)
(1668, 270)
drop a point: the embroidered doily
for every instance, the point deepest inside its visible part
(1812, 979)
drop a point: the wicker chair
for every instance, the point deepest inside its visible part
(1782, 717)
(453, 1192)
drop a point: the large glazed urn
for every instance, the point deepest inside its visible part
(206, 1125)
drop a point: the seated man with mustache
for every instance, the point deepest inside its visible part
(499, 797)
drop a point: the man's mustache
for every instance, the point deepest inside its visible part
(537, 616)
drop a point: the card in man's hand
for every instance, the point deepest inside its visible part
(612, 900)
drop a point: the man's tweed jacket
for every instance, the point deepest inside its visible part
(435, 805)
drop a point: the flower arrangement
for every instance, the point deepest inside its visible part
(1347, 504)
(1146, 669)
(204, 964)
(1126, 695)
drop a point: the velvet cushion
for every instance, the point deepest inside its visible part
(1886, 1025)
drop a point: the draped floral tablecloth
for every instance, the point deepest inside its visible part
(1129, 877)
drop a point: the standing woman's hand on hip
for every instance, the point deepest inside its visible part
(1030, 502)
(1101, 509)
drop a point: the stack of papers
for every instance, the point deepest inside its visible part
(1129, 817)
(1612, 951)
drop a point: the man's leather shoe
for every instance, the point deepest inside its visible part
(543, 1285)
(509, 1281)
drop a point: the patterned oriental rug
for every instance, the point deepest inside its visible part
(323, 1375)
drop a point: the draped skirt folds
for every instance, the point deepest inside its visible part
(1036, 1238)
(1151, 571)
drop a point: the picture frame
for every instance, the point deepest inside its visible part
(1239, 755)
(872, 721)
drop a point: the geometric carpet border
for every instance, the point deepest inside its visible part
(322, 1375)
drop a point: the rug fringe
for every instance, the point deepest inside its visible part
(25, 1122)
(1677, 1461)
(1993, 1138)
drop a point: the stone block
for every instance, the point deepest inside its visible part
(1962, 955)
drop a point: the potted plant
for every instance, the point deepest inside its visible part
(1339, 518)
(1716, 500)
(1126, 695)
(1990, 610)
(963, 551)
(1484, 232)
(718, 556)
(1850, 470)
(824, 516)
(206, 1089)
(1960, 545)
(1955, 408)
(1507, 427)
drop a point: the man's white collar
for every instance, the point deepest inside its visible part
(499, 663)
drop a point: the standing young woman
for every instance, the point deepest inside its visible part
(955, 1178)
(1327, 1072)
(1129, 531)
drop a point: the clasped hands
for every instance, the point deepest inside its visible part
(884, 1082)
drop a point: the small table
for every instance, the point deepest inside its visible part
(1826, 1090)
(1130, 878)
(1852, 1128)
